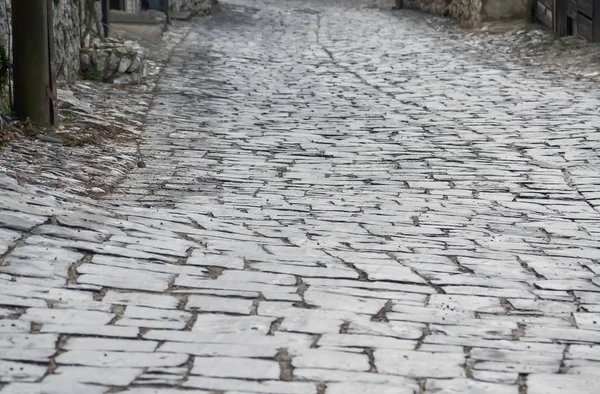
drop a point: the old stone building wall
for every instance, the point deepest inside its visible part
(472, 13)
(468, 13)
(68, 16)
(196, 7)
(503, 9)
(132, 6)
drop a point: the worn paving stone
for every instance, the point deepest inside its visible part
(64, 316)
(239, 368)
(462, 385)
(95, 358)
(84, 343)
(219, 304)
(53, 388)
(223, 324)
(335, 198)
(550, 384)
(348, 388)
(420, 364)
(323, 359)
(116, 376)
(11, 371)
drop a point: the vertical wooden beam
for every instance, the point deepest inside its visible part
(33, 79)
(105, 13)
(51, 71)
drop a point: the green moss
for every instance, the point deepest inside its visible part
(94, 73)
(7, 109)
(67, 113)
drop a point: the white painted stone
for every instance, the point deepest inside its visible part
(115, 376)
(268, 386)
(7, 238)
(215, 260)
(555, 384)
(141, 299)
(218, 304)
(139, 316)
(79, 343)
(67, 316)
(11, 371)
(240, 368)
(108, 331)
(320, 375)
(343, 303)
(20, 221)
(8, 325)
(53, 388)
(323, 359)
(368, 341)
(360, 388)
(259, 277)
(150, 390)
(224, 324)
(27, 355)
(97, 358)
(28, 341)
(222, 349)
(419, 364)
(468, 386)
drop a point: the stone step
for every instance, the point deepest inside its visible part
(181, 15)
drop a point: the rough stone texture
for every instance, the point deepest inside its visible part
(113, 61)
(471, 13)
(196, 7)
(67, 35)
(437, 206)
(132, 6)
(504, 9)
(5, 23)
(96, 143)
(67, 38)
(468, 13)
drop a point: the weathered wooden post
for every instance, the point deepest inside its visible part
(105, 21)
(33, 50)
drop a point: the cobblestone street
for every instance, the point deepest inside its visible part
(334, 199)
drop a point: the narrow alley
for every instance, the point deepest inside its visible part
(335, 199)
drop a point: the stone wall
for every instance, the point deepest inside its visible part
(67, 35)
(504, 9)
(472, 13)
(196, 7)
(4, 23)
(132, 6)
(468, 13)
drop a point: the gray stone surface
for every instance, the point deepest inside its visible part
(67, 17)
(335, 199)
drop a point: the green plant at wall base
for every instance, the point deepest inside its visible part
(94, 74)
(7, 110)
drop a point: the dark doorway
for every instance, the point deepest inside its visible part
(569, 30)
(117, 4)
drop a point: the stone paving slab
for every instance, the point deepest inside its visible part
(336, 199)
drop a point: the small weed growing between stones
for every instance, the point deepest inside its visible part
(94, 74)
